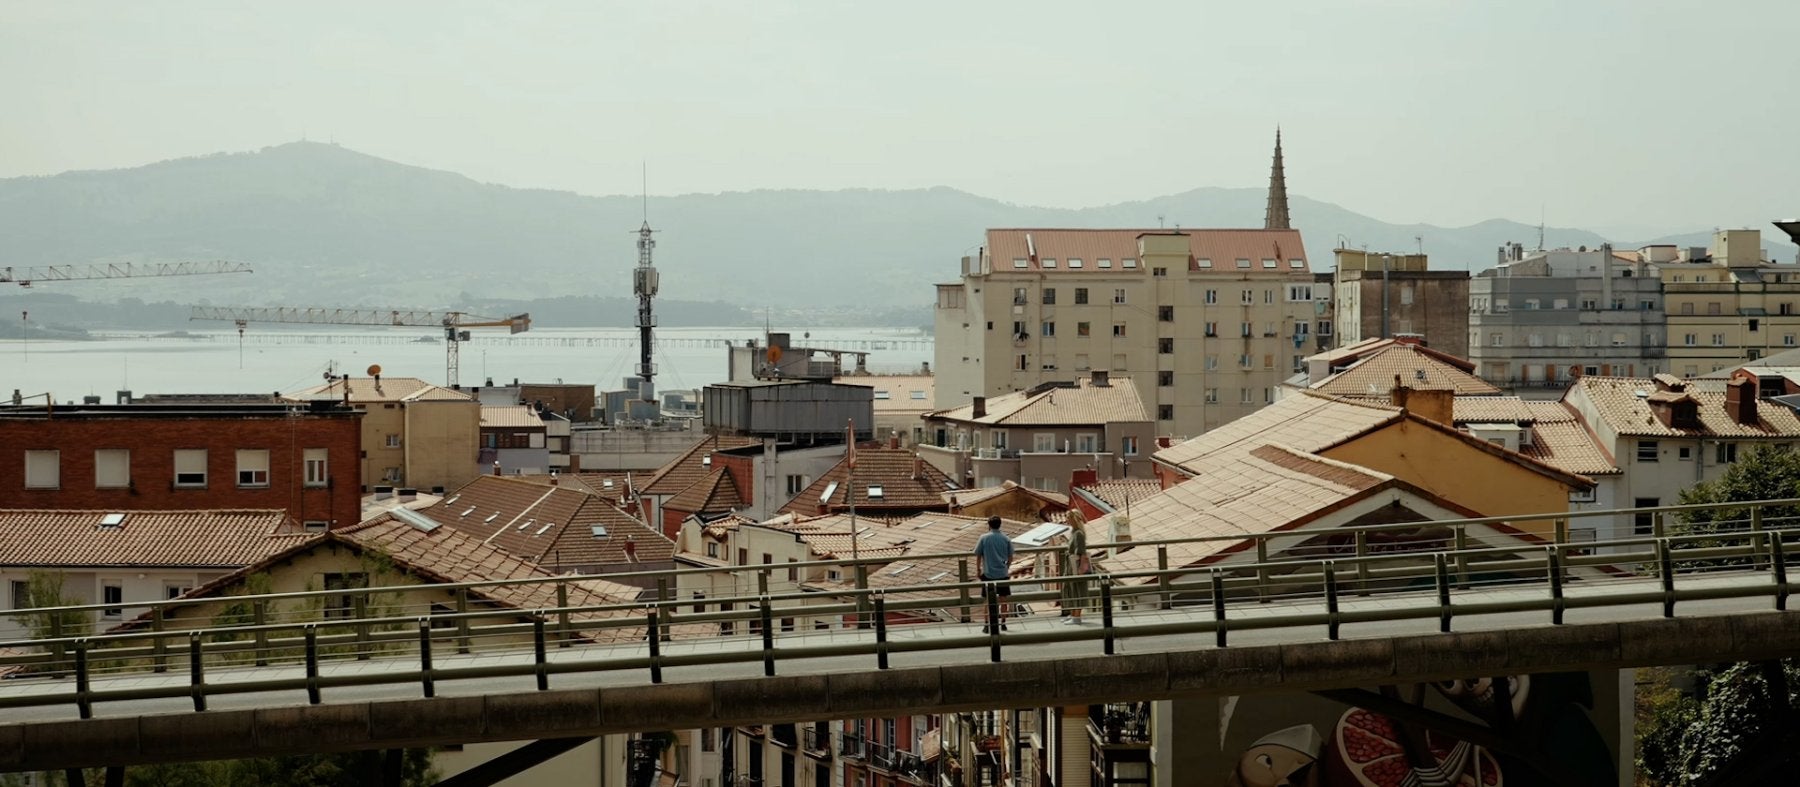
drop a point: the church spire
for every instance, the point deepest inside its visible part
(1276, 217)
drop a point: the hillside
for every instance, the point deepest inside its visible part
(325, 225)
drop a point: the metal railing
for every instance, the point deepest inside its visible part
(1286, 573)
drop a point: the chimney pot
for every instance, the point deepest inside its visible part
(979, 407)
(1101, 378)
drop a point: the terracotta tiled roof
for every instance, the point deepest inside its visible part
(1496, 409)
(963, 498)
(387, 389)
(938, 534)
(1342, 355)
(907, 484)
(1262, 490)
(1570, 446)
(1115, 491)
(1374, 373)
(1222, 246)
(714, 494)
(516, 416)
(682, 471)
(594, 483)
(1616, 400)
(200, 539)
(1306, 421)
(1082, 404)
(550, 525)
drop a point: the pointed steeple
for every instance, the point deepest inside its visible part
(1276, 217)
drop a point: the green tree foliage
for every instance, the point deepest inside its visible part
(1734, 723)
(1762, 473)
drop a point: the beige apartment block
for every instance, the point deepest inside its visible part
(414, 434)
(1206, 323)
(1729, 305)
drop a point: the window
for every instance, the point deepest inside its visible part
(175, 589)
(1103, 262)
(112, 468)
(1497, 340)
(1244, 361)
(1643, 523)
(1531, 304)
(1049, 262)
(343, 606)
(1083, 328)
(1080, 295)
(1589, 304)
(1212, 329)
(1081, 362)
(1787, 340)
(1247, 297)
(393, 441)
(1712, 308)
(1203, 262)
(1165, 313)
(1243, 263)
(43, 469)
(1043, 443)
(1165, 379)
(1212, 362)
(795, 483)
(1324, 327)
(1018, 330)
(1086, 443)
(1075, 262)
(315, 467)
(1535, 340)
(316, 525)
(112, 593)
(1049, 329)
(1560, 303)
(1159, 272)
(1165, 346)
(1718, 340)
(1128, 446)
(1212, 296)
(252, 468)
(1727, 453)
(1165, 412)
(1212, 396)
(190, 467)
(21, 594)
(706, 737)
(1296, 263)
(1023, 364)
(1618, 340)
(1245, 396)
(1267, 263)
(1268, 360)
(1019, 296)
(1128, 262)
(1118, 329)
(1685, 453)
(1021, 262)
(1268, 296)
(1245, 329)
(1687, 308)
(1690, 339)
(1299, 292)
(1753, 324)
(1646, 450)
(1049, 296)
(1119, 295)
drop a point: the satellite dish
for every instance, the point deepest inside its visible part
(774, 353)
(374, 369)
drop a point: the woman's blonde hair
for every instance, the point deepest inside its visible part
(1076, 519)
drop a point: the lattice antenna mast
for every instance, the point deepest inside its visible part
(643, 283)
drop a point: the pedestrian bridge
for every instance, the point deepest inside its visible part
(1367, 619)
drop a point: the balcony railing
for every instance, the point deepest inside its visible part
(852, 745)
(814, 739)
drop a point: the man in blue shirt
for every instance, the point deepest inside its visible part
(995, 551)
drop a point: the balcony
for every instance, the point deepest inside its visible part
(1120, 724)
(852, 745)
(816, 740)
(783, 735)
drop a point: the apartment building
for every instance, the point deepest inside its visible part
(1538, 320)
(1727, 304)
(1041, 436)
(413, 433)
(1205, 323)
(301, 459)
(1381, 295)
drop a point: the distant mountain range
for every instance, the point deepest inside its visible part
(327, 226)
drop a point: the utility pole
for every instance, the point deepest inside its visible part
(1385, 259)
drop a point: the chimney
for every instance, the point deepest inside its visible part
(1101, 378)
(630, 549)
(1083, 477)
(918, 471)
(1435, 405)
(19, 399)
(979, 407)
(1740, 400)
(383, 492)
(407, 494)
(893, 441)
(496, 467)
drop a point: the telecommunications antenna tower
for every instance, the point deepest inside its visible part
(643, 284)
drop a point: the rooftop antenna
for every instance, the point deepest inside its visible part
(1540, 227)
(1420, 239)
(1159, 221)
(643, 283)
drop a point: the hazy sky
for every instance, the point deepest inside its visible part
(1613, 115)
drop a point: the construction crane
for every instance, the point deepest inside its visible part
(116, 270)
(453, 323)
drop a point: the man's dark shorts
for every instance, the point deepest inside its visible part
(998, 587)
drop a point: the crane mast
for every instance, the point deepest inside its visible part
(643, 283)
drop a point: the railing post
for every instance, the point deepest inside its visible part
(1462, 558)
(462, 621)
(768, 636)
(82, 701)
(651, 626)
(881, 647)
(196, 672)
(991, 593)
(1658, 528)
(962, 591)
(259, 611)
(1441, 569)
(563, 639)
(1666, 565)
(1106, 612)
(1331, 600)
(427, 680)
(1756, 522)
(359, 606)
(1218, 604)
(663, 595)
(1162, 575)
(539, 657)
(59, 651)
(1553, 570)
(862, 595)
(1778, 567)
(312, 663)
(1560, 532)
(158, 643)
(1362, 563)
(1262, 570)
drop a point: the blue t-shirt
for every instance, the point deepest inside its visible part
(996, 552)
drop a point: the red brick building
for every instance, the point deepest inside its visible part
(302, 459)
